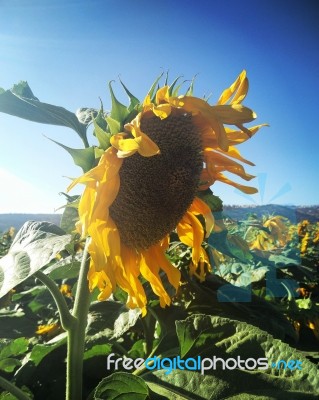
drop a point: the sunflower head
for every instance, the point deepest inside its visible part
(155, 158)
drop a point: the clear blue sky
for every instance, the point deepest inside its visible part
(68, 50)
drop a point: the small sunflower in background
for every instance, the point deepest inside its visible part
(161, 153)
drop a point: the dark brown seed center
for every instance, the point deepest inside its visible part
(155, 192)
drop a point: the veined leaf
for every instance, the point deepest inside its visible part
(211, 336)
(34, 246)
(9, 364)
(12, 348)
(21, 103)
(122, 386)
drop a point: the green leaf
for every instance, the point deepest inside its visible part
(21, 103)
(70, 214)
(34, 246)
(40, 351)
(283, 262)
(9, 364)
(67, 268)
(12, 348)
(105, 321)
(229, 245)
(211, 336)
(194, 334)
(9, 396)
(97, 350)
(15, 324)
(121, 386)
(69, 218)
(84, 158)
(125, 321)
(221, 385)
(213, 202)
(22, 89)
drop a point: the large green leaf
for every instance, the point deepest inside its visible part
(40, 351)
(108, 320)
(9, 349)
(14, 324)
(21, 103)
(210, 336)
(122, 386)
(97, 350)
(236, 384)
(125, 321)
(34, 246)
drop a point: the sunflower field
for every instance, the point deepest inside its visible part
(148, 289)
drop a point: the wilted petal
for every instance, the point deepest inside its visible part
(238, 90)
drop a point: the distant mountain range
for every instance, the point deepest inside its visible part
(238, 213)
(17, 220)
(293, 213)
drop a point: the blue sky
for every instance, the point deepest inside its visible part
(68, 50)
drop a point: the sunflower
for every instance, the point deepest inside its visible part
(146, 183)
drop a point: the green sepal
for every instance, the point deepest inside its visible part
(84, 158)
(134, 102)
(114, 126)
(152, 89)
(171, 90)
(190, 89)
(98, 152)
(119, 111)
(102, 136)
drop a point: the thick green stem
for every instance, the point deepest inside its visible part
(76, 333)
(14, 390)
(65, 316)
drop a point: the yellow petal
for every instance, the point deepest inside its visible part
(234, 153)
(238, 90)
(150, 272)
(191, 233)
(195, 105)
(162, 111)
(143, 144)
(236, 137)
(125, 146)
(162, 95)
(234, 114)
(173, 274)
(137, 297)
(200, 207)
(217, 162)
(242, 188)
